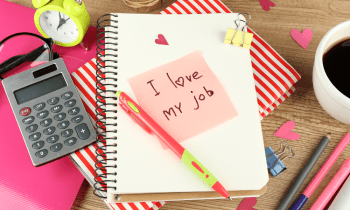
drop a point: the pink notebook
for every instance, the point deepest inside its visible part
(23, 186)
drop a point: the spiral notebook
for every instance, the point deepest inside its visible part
(218, 137)
(273, 86)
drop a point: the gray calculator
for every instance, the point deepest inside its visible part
(49, 111)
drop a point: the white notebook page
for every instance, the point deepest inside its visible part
(233, 151)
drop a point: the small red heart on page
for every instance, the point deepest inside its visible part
(266, 4)
(285, 131)
(161, 40)
(303, 39)
(247, 204)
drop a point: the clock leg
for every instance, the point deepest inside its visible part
(84, 45)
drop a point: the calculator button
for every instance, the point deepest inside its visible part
(25, 111)
(70, 103)
(32, 128)
(67, 133)
(56, 109)
(35, 136)
(67, 95)
(56, 147)
(77, 119)
(38, 145)
(60, 117)
(83, 131)
(28, 120)
(46, 122)
(52, 139)
(70, 141)
(50, 130)
(63, 125)
(74, 111)
(39, 107)
(43, 114)
(41, 153)
(53, 101)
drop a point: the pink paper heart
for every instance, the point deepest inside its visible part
(266, 4)
(285, 131)
(161, 40)
(303, 39)
(247, 204)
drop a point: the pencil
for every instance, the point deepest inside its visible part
(311, 187)
(304, 173)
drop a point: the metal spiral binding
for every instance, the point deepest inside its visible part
(101, 166)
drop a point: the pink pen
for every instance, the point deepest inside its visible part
(333, 186)
(150, 126)
(321, 173)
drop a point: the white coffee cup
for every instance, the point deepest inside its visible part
(331, 99)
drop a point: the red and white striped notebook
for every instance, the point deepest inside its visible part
(274, 81)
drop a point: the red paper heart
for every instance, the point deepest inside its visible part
(266, 4)
(303, 39)
(247, 204)
(285, 131)
(161, 40)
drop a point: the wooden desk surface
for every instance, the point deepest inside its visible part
(312, 122)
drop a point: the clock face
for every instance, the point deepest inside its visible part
(58, 26)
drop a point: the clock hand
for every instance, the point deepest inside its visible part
(60, 21)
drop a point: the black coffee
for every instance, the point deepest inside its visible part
(337, 67)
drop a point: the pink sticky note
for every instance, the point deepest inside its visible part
(184, 96)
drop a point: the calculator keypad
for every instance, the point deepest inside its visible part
(83, 131)
(32, 128)
(56, 109)
(50, 130)
(28, 120)
(74, 111)
(53, 101)
(60, 117)
(52, 139)
(35, 136)
(56, 147)
(70, 141)
(39, 106)
(25, 111)
(77, 119)
(67, 133)
(70, 103)
(46, 122)
(41, 153)
(38, 144)
(67, 95)
(43, 114)
(63, 125)
(55, 125)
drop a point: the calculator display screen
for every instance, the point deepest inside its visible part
(40, 88)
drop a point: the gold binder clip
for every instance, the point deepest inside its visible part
(239, 37)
